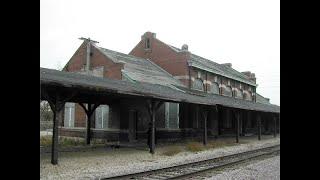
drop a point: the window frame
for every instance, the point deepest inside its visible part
(198, 80)
(69, 112)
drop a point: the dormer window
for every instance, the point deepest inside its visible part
(147, 45)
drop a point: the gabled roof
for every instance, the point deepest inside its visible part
(211, 66)
(70, 80)
(140, 69)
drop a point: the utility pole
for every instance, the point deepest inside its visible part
(89, 41)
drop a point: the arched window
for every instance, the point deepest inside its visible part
(247, 96)
(214, 88)
(198, 84)
(226, 91)
(238, 94)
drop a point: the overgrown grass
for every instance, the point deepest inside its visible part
(220, 143)
(172, 150)
(46, 141)
(70, 141)
(194, 146)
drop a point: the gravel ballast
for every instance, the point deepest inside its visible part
(265, 169)
(107, 163)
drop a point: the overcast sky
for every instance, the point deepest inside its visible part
(245, 33)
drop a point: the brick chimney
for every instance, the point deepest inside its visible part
(250, 75)
(247, 73)
(148, 34)
(184, 47)
(227, 64)
(147, 38)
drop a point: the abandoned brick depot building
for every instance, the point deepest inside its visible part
(153, 61)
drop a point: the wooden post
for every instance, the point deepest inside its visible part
(205, 131)
(89, 111)
(259, 126)
(279, 124)
(153, 132)
(57, 104)
(219, 119)
(88, 133)
(244, 122)
(237, 126)
(275, 127)
(57, 109)
(55, 139)
(152, 107)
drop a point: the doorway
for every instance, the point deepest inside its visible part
(133, 125)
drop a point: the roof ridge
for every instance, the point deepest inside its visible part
(129, 55)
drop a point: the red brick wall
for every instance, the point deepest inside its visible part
(173, 62)
(77, 62)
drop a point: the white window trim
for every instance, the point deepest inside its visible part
(70, 116)
(103, 120)
(71, 108)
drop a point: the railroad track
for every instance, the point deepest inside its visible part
(187, 170)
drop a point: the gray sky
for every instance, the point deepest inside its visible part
(245, 33)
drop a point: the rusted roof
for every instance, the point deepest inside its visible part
(72, 80)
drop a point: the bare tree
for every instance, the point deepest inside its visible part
(45, 111)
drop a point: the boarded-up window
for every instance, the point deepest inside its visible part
(98, 71)
(247, 96)
(226, 91)
(69, 115)
(198, 84)
(238, 94)
(172, 115)
(214, 88)
(102, 117)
